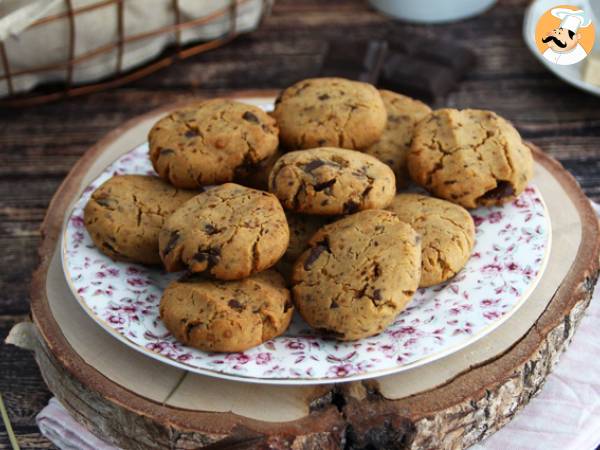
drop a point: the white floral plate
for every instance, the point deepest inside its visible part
(512, 245)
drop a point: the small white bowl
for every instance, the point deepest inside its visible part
(431, 11)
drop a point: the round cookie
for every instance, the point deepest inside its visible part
(227, 232)
(330, 181)
(211, 142)
(227, 316)
(447, 234)
(334, 112)
(357, 274)
(470, 157)
(403, 113)
(125, 214)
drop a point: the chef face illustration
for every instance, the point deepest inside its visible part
(563, 41)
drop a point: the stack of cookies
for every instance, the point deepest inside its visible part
(300, 208)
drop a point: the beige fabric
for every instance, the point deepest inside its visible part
(280, 403)
(47, 44)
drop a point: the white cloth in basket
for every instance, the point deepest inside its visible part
(28, 47)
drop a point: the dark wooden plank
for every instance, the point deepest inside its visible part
(21, 212)
(20, 257)
(29, 439)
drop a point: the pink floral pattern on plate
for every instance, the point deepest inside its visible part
(510, 253)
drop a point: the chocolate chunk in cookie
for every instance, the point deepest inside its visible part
(302, 227)
(256, 175)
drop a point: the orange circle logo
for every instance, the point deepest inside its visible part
(565, 34)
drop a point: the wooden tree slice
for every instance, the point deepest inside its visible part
(135, 402)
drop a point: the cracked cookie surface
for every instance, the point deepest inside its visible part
(336, 112)
(227, 316)
(125, 214)
(470, 157)
(330, 181)
(403, 113)
(211, 142)
(228, 232)
(357, 274)
(447, 234)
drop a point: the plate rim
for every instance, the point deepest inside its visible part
(287, 381)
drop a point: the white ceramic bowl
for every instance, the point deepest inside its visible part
(431, 11)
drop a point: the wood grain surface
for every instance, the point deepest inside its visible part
(39, 145)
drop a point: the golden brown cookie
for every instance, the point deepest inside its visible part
(447, 232)
(357, 274)
(330, 181)
(335, 112)
(125, 214)
(227, 316)
(470, 157)
(403, 113)
(211, 142)
(227, 232)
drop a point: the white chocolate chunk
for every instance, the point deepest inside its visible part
(591, 69)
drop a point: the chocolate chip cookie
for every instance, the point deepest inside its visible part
(447, 231)
(334, 112)
(357, 274)
(125, 214)
(403, 113)
(227, 232)
(211, 142)
(227, 316)
(329, 181)
(470, 157)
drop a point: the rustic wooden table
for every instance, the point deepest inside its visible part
(39, 145)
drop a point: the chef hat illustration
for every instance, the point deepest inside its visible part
(570, 19)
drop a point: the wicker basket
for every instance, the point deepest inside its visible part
(66, 73)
